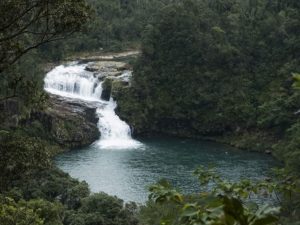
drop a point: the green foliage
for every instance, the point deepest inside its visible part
(162, 192)
(101, 208)
(116, 25)
(286, 189)
(193, 57)
(224, 205)
(159, 214)
(33, 212)
(51, 212)
(51, 184)
(288, 149)
(229, 211)
(218, 68)
(25, 25)
(207, 68)
(20, 155)
(224, 202)
(296, 77)
(21, 90)
(58, 199)
(17, 213)
(51, 196)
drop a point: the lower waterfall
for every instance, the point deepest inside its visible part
(73, 81)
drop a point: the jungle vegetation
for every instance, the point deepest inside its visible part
(223, 69)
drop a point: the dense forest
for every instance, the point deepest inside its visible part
(222, 70)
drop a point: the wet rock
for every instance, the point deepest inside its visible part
(268, 152)
(108, 67)
(100, 56)
(106, 89)
(101, 77)
(91, 69)
(69, 123)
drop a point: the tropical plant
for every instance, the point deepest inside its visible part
(224, 204)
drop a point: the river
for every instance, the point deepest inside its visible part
(121, 166)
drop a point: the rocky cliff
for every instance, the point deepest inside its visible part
(68, 123)
(62, 122)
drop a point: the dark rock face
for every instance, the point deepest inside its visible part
(91, 69)
(64, 122)
(106, 89)
(70, 124)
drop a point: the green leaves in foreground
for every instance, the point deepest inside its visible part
(229, 211)
(162, 192)
(222, 206)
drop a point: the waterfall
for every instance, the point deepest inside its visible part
(73, 81)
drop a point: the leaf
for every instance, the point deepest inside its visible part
(190, 210)
(266, 220)
(265, 215)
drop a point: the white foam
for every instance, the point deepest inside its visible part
(73, 81)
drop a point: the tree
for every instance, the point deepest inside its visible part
(12, 212)
(27, 24)
(20, 155)
(101, 208)
(33, 212)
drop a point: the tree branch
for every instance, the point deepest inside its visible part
(51, 39)
(23, 29)
(18, 18)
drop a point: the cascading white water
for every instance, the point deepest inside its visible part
(73, 81)
(115, 133)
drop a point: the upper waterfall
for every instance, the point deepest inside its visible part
(73, 81)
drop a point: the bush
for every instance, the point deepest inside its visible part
(101, 208)
(33, 212)
(19, 156)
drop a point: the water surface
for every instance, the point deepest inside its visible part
(127, 173)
